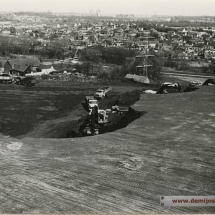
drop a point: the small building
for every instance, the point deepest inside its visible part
(20, 70)
(7, 67)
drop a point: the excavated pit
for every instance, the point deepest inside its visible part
(55, 114)
(117, 121)
(58, 112)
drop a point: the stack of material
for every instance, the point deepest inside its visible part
(150, 91)
(138, 78)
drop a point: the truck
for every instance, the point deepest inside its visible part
(91, 102)
(120, 109)
(5, 79)
(102, 92)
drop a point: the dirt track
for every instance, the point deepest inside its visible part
(168, 151)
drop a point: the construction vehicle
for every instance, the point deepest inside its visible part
(120, 109)
(194, 84)
(123, 109)
(88, 130)
(5, 79)
(91, 102)
(102, 92)
(102, 116)
(96, 119)
(26, 81)
(170, 87)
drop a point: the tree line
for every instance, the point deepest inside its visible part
(125, 62)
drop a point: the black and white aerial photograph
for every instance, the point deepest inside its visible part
(107, 106)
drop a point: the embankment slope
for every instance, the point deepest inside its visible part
(168, 151)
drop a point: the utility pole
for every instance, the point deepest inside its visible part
(145, 62)
(145, 56)
(92, 69)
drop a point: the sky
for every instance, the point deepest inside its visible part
(143, 7)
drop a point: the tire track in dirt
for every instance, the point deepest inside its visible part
(89, 175)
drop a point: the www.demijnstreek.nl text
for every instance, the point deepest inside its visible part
(206, 201)
(187, 200)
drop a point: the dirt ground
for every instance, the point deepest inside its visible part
(23, 108)
(46, 109)
(167, 151)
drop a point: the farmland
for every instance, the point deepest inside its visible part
(167, 151)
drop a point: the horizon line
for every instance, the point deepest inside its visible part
(55, 12)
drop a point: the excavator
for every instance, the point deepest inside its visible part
(96, 118)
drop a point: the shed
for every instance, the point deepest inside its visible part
(20, 70)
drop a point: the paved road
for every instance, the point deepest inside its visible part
(168, 151)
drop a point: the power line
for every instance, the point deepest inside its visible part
(145, 56)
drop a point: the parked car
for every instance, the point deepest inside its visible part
(5, 79)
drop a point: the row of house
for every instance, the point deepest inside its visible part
(176, 43)
(23, 69)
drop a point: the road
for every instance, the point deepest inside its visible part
(167, 151)
(188, 77)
